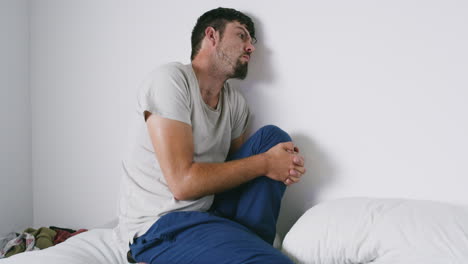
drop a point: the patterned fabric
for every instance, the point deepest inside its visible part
(7, 238)
(16, 245)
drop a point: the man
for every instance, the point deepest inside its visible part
(195, 190)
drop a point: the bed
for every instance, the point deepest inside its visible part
(344, 231)
(96, 246)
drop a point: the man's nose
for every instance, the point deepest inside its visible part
(250, 48)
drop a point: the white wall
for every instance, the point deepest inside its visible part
(373, 92)
(81, 60)
(16, 207)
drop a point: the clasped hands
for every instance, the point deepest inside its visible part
(296, 173)
(285, 163)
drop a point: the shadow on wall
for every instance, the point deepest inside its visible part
(320, 170)
(260, 68)
(260, 72)
(301, 196)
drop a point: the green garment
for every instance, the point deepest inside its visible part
(16, 249)
(44, 236)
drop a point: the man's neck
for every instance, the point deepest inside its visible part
(210, 81)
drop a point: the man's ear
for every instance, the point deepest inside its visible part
(212, 35)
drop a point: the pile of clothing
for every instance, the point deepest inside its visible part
(32, 239)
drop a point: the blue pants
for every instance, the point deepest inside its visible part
(239, 228)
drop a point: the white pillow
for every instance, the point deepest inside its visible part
(381, 231)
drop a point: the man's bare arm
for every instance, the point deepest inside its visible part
(173, 144)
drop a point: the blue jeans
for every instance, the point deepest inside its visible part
(239, 227)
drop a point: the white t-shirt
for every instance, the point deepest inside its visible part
(172, 92)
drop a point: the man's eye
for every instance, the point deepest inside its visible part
(242, 36)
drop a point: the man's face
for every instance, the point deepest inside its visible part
(234, 50)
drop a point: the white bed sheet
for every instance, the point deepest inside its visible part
(96, 246)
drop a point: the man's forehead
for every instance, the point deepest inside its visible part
(236, 24)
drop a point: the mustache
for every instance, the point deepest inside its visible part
(245, 54)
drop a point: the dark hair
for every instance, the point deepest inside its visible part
(218, 18)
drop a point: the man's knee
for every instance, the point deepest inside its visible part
(275, 132)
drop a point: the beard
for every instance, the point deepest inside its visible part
(240, 70)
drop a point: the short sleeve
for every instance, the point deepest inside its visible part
(166, 93)
(240, 115)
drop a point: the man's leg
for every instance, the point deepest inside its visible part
(205, 237)
(255, 204)
(200, 238)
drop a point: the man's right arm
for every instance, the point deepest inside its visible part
(173, 144)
